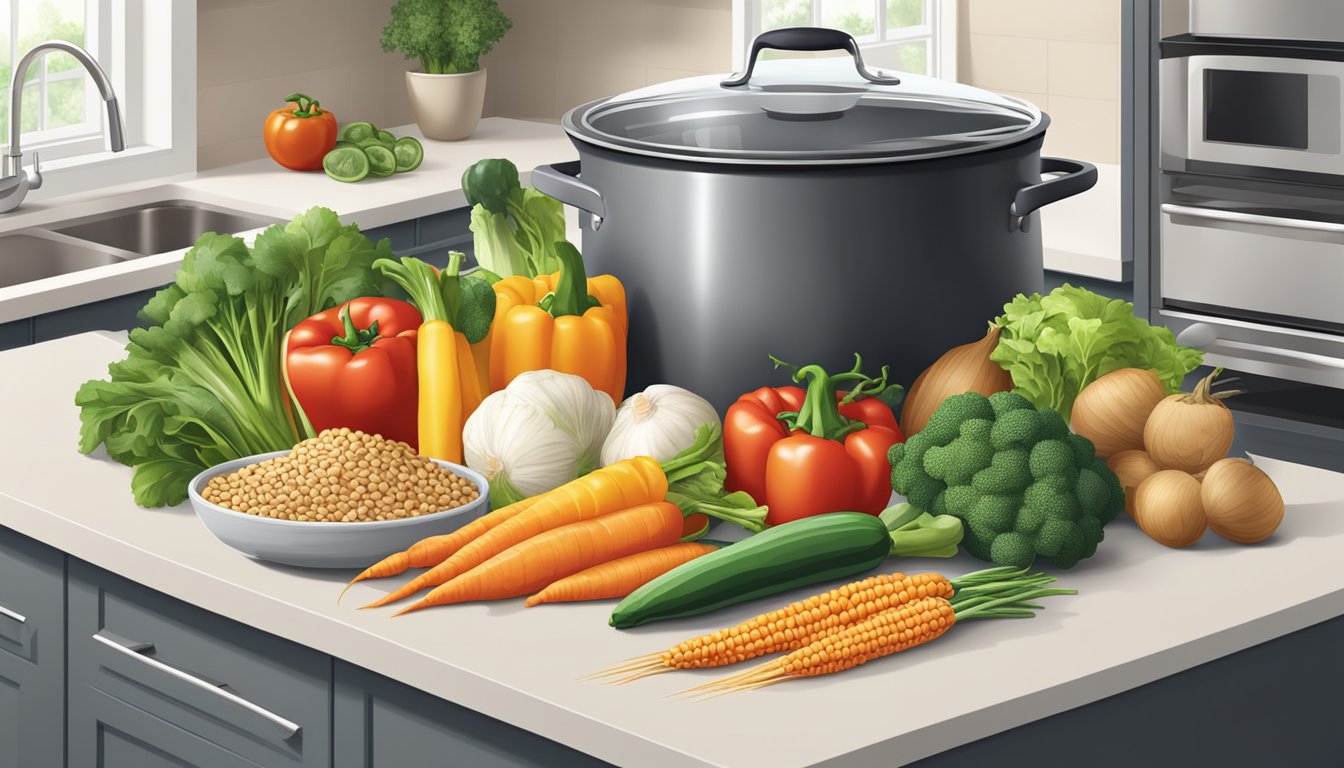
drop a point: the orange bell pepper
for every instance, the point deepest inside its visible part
(565, 322)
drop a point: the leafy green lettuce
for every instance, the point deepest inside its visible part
(202, 383)
(516, 229)
(1057, 344)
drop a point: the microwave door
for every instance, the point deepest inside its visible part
(1265, 112)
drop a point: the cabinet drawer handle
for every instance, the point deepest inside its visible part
(134, 651)
(19, 617)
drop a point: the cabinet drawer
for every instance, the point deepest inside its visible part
(32, 652)
(1254, 263)
(401, 235)
(442, 227)
(150, 673)
(381, 723)
(120, 313)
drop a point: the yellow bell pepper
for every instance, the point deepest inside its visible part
(565, 322)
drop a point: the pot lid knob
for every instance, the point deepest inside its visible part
(807, 39)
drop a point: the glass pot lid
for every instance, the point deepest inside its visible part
(822, 111)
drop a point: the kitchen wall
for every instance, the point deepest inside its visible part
(253, 53)
(1061, 55)
(560, 53)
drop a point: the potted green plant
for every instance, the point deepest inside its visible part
(448, 37)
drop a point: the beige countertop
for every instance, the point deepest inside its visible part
(1134, 620)
(262, 187)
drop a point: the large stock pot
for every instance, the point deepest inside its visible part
(808, 211)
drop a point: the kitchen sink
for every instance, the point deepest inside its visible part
(33, 255)
(159, 227)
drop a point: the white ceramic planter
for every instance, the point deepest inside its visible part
(447, 107)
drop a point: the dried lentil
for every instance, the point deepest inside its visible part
(342, 475)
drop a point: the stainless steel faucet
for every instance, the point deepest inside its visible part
(15, 180)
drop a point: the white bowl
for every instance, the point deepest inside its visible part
(321, 544)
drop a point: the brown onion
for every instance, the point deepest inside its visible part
(1132, 468)
(1240, 501)
(1112, 411)
(966, 368)
(1190, 431)
(1168, 509)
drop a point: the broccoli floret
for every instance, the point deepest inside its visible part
(1020, 482)
(1052, 458)
(1007, 472)
(1007, 402)
(1012, 548)
(1015, 429)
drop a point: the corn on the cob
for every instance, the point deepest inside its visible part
(883, 634)
(903, 627)
(790, 627)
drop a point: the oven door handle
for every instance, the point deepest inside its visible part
(1204, 335)
(1237, 217)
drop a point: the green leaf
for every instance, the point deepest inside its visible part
(163, 481)
(1053, 346)
(202, 384)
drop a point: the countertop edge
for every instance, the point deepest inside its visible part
(1007, 715)
(353, 645)
(553, 721)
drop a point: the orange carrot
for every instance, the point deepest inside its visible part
(620, 577)
(559, 552)
(610, 489)
(431, 551)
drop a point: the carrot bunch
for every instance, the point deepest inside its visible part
(846, 627)
(602, 535)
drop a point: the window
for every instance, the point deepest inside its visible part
(62, 113)
(148, 50)
(917, 36)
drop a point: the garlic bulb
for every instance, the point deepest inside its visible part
(541, 431)
(659, 422)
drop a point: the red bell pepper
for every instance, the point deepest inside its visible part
(808, 452)
(354, 366)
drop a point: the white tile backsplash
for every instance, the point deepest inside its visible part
(1091, 70)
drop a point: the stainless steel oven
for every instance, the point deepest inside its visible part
(1251, 258)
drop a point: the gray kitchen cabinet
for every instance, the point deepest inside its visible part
(381, 723)
(431, 237)
(118, 313)
(154, 681)
(18, 333)
(32, 652)
(401, 234)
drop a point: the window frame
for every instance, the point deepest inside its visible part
(940, 29)
(86, 137)
(153, 71)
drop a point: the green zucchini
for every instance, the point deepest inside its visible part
(788, 556)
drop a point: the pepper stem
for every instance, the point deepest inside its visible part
(820, 415)
(355, 340)
(571, 290)
(305, 106)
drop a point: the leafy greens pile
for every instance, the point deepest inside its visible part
(203, 383)
(516, 229)
(1057, 344)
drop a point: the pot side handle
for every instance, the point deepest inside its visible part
(1079, 176)
(561, 181)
